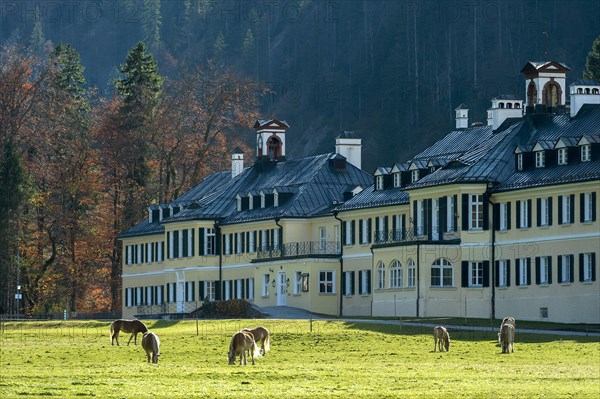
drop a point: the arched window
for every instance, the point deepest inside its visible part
(274, 147)
(579, 90)
(509, 105)
(412, 274)
(552, 94)
(531, 94)
(517, 105)
(395, 274)
(587, 90)
(442, 273)
(595, 91)
(380, 275)
(501, 105)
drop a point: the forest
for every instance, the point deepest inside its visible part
(109, 106)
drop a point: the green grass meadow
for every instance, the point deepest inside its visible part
(335, 360)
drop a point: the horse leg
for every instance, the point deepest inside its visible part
(128, 342)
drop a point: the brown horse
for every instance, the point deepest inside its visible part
(240, 343)
(441, 336)
(261, 335)
(151, 345)
(507, 320)
(127, 326)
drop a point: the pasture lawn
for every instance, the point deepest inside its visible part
(336, 360)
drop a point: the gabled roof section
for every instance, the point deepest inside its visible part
(371, 198)
(589, 139)
(382, 170)
(566, 142)
(545, 66)
(585, 82)
(543, 145)
(400, 167)
(461, 106)
(270, 124)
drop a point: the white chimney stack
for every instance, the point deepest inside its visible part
(350, 147)
(237, 162)
(504, 107)
(582, 92)
(462, 116)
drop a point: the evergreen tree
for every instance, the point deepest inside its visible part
(68, 77)
(219, 47)
(36, 40)
(592, 63)
(248, 45)
(151, 23)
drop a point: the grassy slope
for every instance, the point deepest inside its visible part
(75, 359)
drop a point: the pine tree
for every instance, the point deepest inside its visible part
(592, 63)
(37, 40)
(151, 23)
(219, 47)
(248, 45)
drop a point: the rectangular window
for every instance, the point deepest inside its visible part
(587, 267)
(420, 217)
(586, 153)
(565, 267)
(140, 254)
(544, 212)
(379, 183)
(159, 300)
(450, 210)
(171, 291)
(190, 243)
(250, 289)
(504, 216)
(239, 289)
(475, 274)
(502, 273)
(326, 282)
(348, 283)
(159, 251)
(275, 238)
(412, 274)
(322, 238)
(364, 231)
(523, 271)
(227, 240)
(544, 270)
(349, 233)
(524, 214)
(397, 180)
(588, 206)
(239, 247)
(265, 284)
(275, 199)
(540, 159)
(149, 254)
(190, 294)
(562, 156)
(364, 278)
(519, 161)
(251, 241)
(210, 290)
(128, 297)
(565, 209)
(209, 241)
(297, 283)
(264, 242)
(414, 175)
(476, 212)
(129, 257)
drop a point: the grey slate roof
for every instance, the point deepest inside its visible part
(585, 82)
(371, 198)
(312, 186)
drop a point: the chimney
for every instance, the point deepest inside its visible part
(237, 162)
(348, 145)
(504, 107)
(583, 91)
(462, 116)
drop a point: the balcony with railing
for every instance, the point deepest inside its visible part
(399, 236)
(304, 249)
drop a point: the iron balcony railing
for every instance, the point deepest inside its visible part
(300, 249)
(412, 234)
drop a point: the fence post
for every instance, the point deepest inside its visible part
(311, 321)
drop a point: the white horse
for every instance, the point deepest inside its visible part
(441, 337)
(151, 345)
(507, 338)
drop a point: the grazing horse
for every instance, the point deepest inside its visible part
(261, 334)
(240, 343)
(507, 320)
(507, 338)
(151, 345)
(127, 326)
(441, 336)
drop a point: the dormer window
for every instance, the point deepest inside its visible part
(379, 183)
(262, 200)
(562, 156)
(519, 161)
(414, 175)
(397, 180)
(239, 203)
(250, 202)
(275, 199)
(586, 153)
(540, 159)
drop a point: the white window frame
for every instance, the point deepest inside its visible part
(209, 241)
(566, 269)
(347, 283)
(348, 233)
(397, 180)
(364, 286)
(239, 288)
(414, 175)
(265, 284)
(264, 243)
(129, 256)
(420, 218)
(503, 273)
(250, 293)
(262, 200)
(563, 157)
(180, 253)
(140, 253)
(210, 290)
(380, 275)
(476, 274)
(523, 280)
(379, 183)
(566, 210)
(327, 282)
(239, 248)
(544, 270)
(412, 274)
(252, 242)
(227, 244)
(364, 238)
(503, 216)
(395, 274)
(519, 161)
(475, 212)
(587, 207)
(450, 210)
(128, 297)
(540, 159)
(586, 153)
(297, 282)
(189, 291)
(587, 267)
(524, 214)
(322, 238)
(444, 266)
(276, 239)
(275, 199)
(544, 212)
(159, 252)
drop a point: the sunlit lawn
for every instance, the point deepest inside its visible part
(335, 360)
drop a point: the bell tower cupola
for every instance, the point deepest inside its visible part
(270, 139)
(545, 87)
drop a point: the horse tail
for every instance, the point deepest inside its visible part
(155, 345)
(267, 341)
(255, 350)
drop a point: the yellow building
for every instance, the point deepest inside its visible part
(489, 221)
